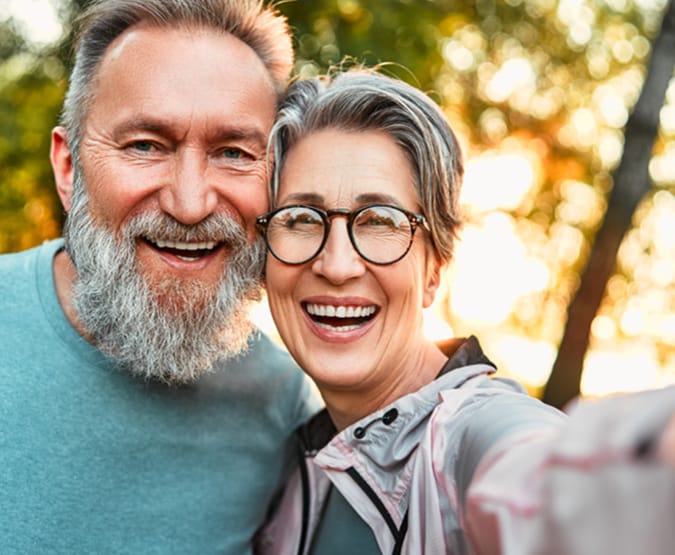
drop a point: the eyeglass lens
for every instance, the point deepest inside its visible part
(381, 234)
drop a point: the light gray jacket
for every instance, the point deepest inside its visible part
(463, 465)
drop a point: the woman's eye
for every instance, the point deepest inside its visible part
(299, 220)
(374, 219)
(379, 221)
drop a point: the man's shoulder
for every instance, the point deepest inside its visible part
(263, 365)
(268, 378)
(24, 261)
(262, 351)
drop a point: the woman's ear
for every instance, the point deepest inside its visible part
(62, 166)
(432, 280)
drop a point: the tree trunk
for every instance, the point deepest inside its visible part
(631, 183)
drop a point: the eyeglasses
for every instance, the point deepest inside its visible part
(380, 233)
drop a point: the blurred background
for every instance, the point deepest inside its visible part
(566, 113)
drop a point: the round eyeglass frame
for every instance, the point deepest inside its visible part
(415, 220)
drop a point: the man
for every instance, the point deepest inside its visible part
(139, 414)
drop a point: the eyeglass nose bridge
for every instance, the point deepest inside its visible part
(339, 212)
(345, 212)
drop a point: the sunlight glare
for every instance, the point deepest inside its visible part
(526, 360)
(492, 270)
(38, 19)
(435, 327)
(579, 18)
(496, 181)
(664, 224)
(668, 119)
(611, 106)
(633, 320)
(662, 167)
(624, 368)
(581, 204)
(516, 75)
(603, 327)
(458, 55)
(584, 126)
(610, 148)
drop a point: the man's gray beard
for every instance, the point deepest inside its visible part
(174, 330)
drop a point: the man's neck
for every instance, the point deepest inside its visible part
(64, 278)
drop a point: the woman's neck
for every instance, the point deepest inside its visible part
(348, 406)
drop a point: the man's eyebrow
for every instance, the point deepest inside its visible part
(250, 134)
(136, 124)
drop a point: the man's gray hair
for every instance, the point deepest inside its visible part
(360, 100)
(254, 22)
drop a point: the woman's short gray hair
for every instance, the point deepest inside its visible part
(254, 22)
(362, 99)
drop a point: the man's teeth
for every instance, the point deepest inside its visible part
(205, 245)
(333, 311)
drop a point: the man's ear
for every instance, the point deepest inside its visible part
(62, 166)
(433, 280)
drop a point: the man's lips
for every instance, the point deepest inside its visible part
(340, 317)
(186, 251)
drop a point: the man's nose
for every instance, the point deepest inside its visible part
(189, 197)
(338, 261)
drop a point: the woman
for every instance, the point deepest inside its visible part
(417, 437)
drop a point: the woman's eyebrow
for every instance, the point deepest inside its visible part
(379, 198)
(304, 198)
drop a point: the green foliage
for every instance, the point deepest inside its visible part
(31, 93)
(402, 32)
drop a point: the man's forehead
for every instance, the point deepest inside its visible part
(141, 37)
(164, 75)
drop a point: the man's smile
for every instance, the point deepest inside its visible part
(186, 251)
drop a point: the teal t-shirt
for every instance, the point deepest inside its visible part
(339, 527)
(95, 461)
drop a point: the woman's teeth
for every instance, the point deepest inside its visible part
(339, 311)
(338, 317)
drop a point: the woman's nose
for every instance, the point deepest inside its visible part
(338, 261)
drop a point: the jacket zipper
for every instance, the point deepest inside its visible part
(398, 533)
(305, 505)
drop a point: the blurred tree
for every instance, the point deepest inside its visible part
(631, 183)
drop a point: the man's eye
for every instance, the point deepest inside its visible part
(233, 153)
(142, 146)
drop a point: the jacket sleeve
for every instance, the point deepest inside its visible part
(602, 483)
